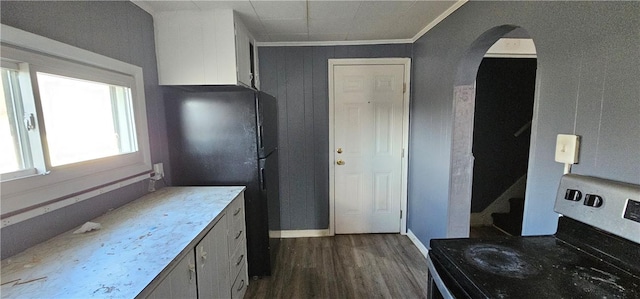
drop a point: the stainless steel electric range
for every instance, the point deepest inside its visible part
(594, 254)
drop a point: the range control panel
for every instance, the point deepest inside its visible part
(608, 205)
(632, 211)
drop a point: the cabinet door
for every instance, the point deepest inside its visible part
(180, 283)
(212, 261)
(196, 47)
(243, 54)
(239, 287)
(179, 42)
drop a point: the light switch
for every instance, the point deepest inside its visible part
(567, 148)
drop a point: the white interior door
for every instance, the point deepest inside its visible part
(368, 123)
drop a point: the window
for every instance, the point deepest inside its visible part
(85, 120)
(14, 145)
(71, 121)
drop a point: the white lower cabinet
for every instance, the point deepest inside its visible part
(212, 263)
(240, 284)
(216, 267)
(237, 248)
(180, 282)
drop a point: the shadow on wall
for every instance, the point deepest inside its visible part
(463, 114)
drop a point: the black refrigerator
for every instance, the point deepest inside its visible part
(229, 138)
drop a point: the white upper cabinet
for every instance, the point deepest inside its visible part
(245, 56)
(204, 48)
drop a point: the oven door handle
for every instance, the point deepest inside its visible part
(446, 294)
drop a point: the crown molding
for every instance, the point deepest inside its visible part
(439, 19)
(143, 4)
(146, 7)
(422, 32)
(335, 43)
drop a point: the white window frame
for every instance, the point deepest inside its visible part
(27, 152)
(26, 197)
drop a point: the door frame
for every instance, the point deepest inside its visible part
(405, 132)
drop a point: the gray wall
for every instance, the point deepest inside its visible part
(119, 30)
(588, 83)
(298, 77)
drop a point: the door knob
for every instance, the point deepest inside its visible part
(340, 162)
(339, 150)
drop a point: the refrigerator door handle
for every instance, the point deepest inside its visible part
(263, 184)
(260, 134)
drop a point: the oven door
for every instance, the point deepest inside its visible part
(436, 288)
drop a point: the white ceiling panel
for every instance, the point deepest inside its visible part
(280, 9)
(285, 26)
(262, 37)
(253, 24)
(422, 13)
(322, 20)
(328, 37)
(243, 7)
(328, 10)
(160, 6)
(324, 27)
(289, 37)
(381, 10)
(368, 25)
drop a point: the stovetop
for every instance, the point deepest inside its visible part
(539, 267)
(594, 254)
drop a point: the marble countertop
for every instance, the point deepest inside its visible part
(137, 241)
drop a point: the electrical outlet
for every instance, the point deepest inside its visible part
(567, 148)
(152, 185)
(158, 170)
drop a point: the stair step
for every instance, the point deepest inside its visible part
(516, 205)
(508, 222)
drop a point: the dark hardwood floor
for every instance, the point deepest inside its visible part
(345, 266)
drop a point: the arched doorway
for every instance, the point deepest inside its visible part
(462, 158)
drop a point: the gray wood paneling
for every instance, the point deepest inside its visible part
(588, 84)
(320, 89)
(298, 166)
(309, 140)
(298, 77)
(117, 29)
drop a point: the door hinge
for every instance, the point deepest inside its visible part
(404, 87)
(400, 214)
(402, 153)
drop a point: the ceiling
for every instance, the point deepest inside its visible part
(324, 21)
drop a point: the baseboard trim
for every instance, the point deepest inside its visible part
(307, 233)
(423, 249)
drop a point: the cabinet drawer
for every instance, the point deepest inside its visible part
(240, 284)
(238, 259)
(236, 209)
(237, 230)
(236, 237)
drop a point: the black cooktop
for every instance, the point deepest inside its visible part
(541, 267)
